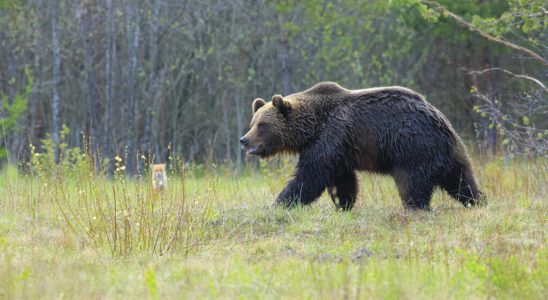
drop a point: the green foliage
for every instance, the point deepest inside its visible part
(424, 10)
(11, 113)
(150, 281)
(9, 4)
(497, 18)
(350, 41)
(520, 17)
(72, 160)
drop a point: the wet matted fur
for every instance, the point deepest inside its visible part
(336, 132)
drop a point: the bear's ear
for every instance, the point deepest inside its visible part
(257, 103)
(281, 104)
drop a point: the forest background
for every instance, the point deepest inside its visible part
(164, 78)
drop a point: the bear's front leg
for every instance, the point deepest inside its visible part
(344, 190)
(309, 182)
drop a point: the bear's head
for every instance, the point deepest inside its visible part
(270, 131)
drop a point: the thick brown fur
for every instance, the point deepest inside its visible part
(336, 132)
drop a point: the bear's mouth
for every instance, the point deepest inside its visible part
(251, 150)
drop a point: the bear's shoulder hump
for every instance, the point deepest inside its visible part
(326, 87)
(394, 90)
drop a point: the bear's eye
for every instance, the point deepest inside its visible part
(261, 125)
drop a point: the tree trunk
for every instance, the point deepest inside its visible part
(12, 81)
(85, 18)
(56, 111)
(35, 124)
(10, 137)
(151, 97)
(228, 135)
(133, 29)
(286, 65)
(490, 138)
(109, 81)
(239, 124)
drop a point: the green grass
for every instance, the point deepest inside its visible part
(68, 234)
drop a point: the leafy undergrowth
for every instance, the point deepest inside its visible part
(70, 234)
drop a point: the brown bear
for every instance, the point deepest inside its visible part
(336, 132)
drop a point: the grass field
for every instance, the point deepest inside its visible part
(67, 234)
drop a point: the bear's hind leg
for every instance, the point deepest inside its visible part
(415, 189)
(344, 190)
(461, 184)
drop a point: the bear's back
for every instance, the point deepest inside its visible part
(355, 104)
(336, 92)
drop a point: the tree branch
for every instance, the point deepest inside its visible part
(512, 74)
(486, 35)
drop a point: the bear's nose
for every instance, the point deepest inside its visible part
(244, 141)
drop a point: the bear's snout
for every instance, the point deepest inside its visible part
(247, 146)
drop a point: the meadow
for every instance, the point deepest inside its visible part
(66, 232)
